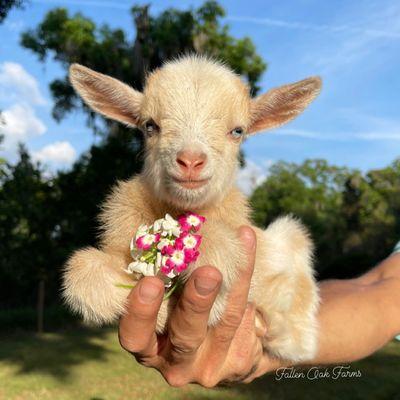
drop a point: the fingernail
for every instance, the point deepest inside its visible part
(204, 285)
(148, 292)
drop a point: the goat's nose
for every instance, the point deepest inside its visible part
(190, 161)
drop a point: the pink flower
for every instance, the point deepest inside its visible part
(168, 250)
(165, 269)
(146, 241)
(188, 241)
(167, 246)
(190, 255)
(177, 261)
(191, 221)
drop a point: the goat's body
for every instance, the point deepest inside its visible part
(283, 286)
(195, 113)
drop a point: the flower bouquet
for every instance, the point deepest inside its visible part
(166, 248)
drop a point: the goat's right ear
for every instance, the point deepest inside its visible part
(108, 96)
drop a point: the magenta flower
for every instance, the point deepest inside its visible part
(191, 255)
(177, 261)
(191, 221)
(146, 241)
(168, 250)
(188, 241)
(167, 247)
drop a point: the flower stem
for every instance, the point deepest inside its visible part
(123, 286)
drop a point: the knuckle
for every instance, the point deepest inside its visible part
(174, 379)
(208, 378)
(182, 344)
(232, 319)
(243, 369)
(145, 361)
(195, 306)
(130, 345)
(208, 383)
(223, 335)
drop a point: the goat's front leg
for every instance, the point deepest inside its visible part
(90, 285)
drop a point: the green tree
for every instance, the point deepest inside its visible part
(76, 38)
(312, 192)
(353, 218)
(158, 38)
(28, 236)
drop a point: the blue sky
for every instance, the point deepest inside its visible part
(353, 46)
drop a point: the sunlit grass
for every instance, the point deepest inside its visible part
(89, 364)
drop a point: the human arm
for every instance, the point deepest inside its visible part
(356, 316)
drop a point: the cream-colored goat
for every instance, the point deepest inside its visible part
(194, 113)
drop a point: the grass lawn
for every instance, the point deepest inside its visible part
(89, 365)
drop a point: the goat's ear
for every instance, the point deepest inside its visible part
(106, 95)
(282, 104)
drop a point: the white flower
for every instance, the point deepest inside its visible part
(147, 269)
(142, 230)
(158, 260)
(167, 226)
(164, 242)
(171, 226)
(158, 224)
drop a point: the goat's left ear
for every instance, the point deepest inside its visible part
(280, 105)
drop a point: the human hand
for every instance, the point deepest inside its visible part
(190, 351)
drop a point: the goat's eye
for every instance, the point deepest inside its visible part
(237, 133)
(150, 127)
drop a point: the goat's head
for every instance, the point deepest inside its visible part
(194, 114)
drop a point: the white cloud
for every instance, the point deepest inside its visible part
(307, 134)
(20, 124)
(359, 126)
(57, 154)
(15, 26)
(17, 84)
(379, 135)
(295, 25)
(360, 32)
(252, 175)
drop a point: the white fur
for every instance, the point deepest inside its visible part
(196, 103)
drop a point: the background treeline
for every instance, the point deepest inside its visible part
(354, 218)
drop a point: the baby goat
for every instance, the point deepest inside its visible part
(194, 114)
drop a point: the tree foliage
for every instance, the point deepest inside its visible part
(43, 219)
(353, 218)
(28, 234)
(76, 38)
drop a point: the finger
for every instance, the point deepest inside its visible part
(188, 322)
(137, 326)
(245, 351)
(237, 298)
(260, 324)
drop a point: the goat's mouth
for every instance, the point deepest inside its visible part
(191, 183)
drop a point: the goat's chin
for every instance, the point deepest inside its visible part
(189, 199)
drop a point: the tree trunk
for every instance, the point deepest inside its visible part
(40, 306)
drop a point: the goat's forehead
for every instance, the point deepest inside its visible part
(195, 91)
